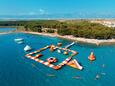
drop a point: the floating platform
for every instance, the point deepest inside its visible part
(56, 67)
(69, 45)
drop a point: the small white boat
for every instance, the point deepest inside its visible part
(97, 76)
(20, 42)
(27, 48)
(59, 51)
(18, 39)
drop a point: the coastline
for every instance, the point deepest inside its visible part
(2, 33)
(77, 39)
(70, 37)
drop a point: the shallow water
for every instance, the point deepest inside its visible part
(16, 70)
(7, 29)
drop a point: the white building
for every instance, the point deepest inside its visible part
(108, 23)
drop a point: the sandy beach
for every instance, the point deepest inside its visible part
(77, 39)
(70, 37)
(5, 33)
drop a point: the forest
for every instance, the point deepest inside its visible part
(77, 28)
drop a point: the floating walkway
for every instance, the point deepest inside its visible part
(69, 45)
(56, 67)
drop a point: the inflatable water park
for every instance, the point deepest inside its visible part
(49, 61)
(37, 55)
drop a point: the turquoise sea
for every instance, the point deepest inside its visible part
(16, 70)
(6, 29)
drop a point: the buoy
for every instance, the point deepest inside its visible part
(59, 44)
(65, 53)
(59, 51)
(52, 48)
(51, 59)
(91, 57)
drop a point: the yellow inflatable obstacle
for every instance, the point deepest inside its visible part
(74, 63)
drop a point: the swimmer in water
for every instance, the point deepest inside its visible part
(76, 77)
(103, 65)
(33, 65)
(103, 73)
(97, 77)
(50, 75)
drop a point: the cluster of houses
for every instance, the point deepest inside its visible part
(108, 23)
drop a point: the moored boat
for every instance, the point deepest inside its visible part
(18, 39)
(20, 42)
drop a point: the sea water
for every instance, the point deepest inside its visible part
(7, 29)
(17, 70)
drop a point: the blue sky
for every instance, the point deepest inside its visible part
(34, 7)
